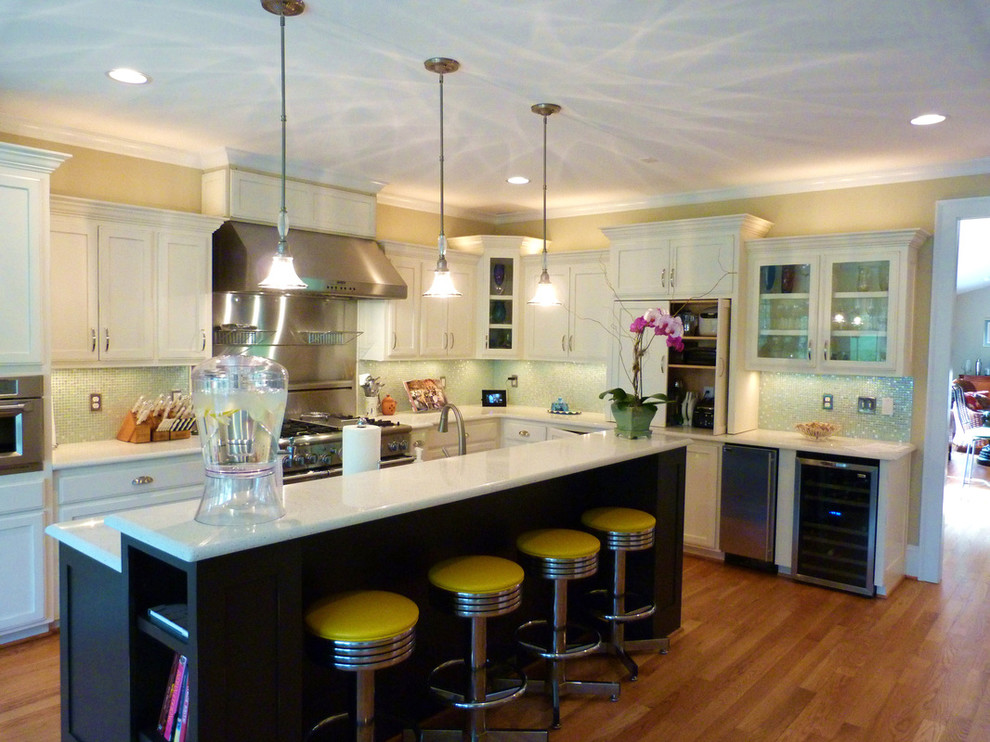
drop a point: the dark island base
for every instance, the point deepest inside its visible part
(249, 677)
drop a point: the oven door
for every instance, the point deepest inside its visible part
(22, 435)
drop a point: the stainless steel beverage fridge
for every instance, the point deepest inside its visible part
(835, 522)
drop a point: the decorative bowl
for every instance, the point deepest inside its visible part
(817, 431)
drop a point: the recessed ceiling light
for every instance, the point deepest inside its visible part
(928, 119)
(517, 180)
(128, 76)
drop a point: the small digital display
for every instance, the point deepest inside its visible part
(493, 397)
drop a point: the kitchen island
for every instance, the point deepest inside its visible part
(246, 588)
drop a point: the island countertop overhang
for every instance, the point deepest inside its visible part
(327, 504)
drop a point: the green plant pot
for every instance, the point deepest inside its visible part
(633, 422)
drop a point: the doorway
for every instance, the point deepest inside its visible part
(945, 258)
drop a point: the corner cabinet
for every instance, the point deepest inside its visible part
(685, 258)
(129, 284)
(418, 326)
(577, 329)
(833, 303)
(24, 179)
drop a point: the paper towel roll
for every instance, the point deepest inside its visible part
(362, 448)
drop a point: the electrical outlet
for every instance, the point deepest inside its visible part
(95, 402)
(513, 381)
(867, 405)
(443, 382)
(826, 401)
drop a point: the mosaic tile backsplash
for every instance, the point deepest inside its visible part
(75, 422)
(788, 399)
(540, 383)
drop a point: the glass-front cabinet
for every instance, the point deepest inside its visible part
(832, 303)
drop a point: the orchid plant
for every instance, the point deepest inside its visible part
(662, 323)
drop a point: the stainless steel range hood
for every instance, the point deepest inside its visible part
(331, 265)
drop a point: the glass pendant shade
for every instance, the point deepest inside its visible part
(282, 274)
(546, 294)
(442, 286)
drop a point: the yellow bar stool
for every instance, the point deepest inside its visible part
(623, 530)
(478, 588)
(360, 632)
(561, 555)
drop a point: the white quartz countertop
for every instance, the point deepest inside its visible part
(326, 504)
(69, 455)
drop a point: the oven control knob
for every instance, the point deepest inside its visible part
(286, 462)
(310, 459)
(334, 451)
(325, 459)
(393, 446)
(403, 445)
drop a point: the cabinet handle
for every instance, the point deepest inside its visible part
(106, 334)
(570, 342)
(486, 341)
(663, 278)
(395, 339)
(204, 341)
(720, 370)
(563, 341)
(663, 363)
(451, 341)
(524, 434)
(825, 352)
(143, 479)
(92, 339)
(672, 277)
(809, 349)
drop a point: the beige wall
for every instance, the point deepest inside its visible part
(98, 175)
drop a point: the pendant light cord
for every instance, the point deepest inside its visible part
(545, 117)
(442, 241)
(283, 216)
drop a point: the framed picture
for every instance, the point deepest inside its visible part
(425, 395)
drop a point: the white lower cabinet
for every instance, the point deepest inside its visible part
(481, 435)
(517, 432)
(100, 489)
(22, 554)
(702, 483)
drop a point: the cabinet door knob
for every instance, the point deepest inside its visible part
(143, 479)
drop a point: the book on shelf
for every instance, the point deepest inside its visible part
(183, 723)
(173, 617)
(177, 728)
(170, 705)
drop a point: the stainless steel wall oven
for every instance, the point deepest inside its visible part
(22, 424)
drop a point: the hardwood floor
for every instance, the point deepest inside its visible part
(758, 658)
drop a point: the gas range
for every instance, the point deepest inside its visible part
(311, 445)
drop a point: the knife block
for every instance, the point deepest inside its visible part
(132, 432)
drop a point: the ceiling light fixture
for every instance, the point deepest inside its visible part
(517, 180)
(442, 287)
(928, 119)
(128, 76)
(283, 275)
(546, 294)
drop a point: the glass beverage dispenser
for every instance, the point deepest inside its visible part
(239, 403)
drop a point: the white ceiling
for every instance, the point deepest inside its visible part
(663, 101)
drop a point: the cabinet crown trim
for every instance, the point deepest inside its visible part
(749, 226)
(478, 243)
(125, 213)
(912, 238)
(30, 158)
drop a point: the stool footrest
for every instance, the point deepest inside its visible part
(579, 687)
(491, 735)
(636, 607)
(450, 682)
(538, 638)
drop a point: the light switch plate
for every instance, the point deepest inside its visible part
(886, 405)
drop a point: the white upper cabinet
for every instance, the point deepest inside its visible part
(418, 326)
(685, 259)
(129, 284)
(257, 197)
(833, 303)
(24, 177)
(575, 330)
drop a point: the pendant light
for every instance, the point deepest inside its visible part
(282, 274)
(546, 294)
(443, 286)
